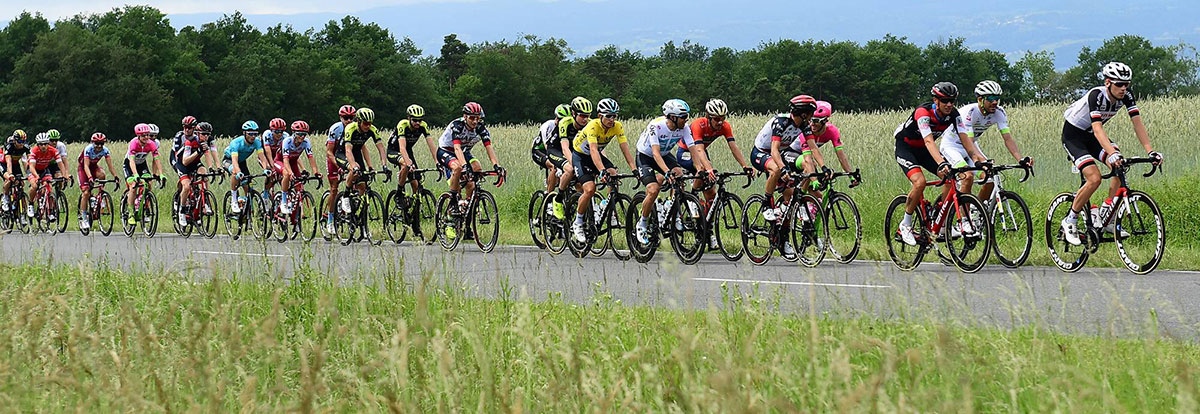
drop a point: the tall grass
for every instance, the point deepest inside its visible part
(869, 144)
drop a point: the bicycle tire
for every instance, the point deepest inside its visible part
(1068, 258)
(807, 235)
(485, 217)
(897, 249)
(835, 217)
(150, 209)
(757, 231)
(445, 221)
(531, 214)
(973, 211)
(616, 225)
(105, 214)
(689, 238)
(394, 216)
(207, 222)
(727, 222)
(1012, 214)
(1131, 219)
(553, 229)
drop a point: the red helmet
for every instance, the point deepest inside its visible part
(99, 137)
(346, 110)
(472, 108)
(189, 121)
(278, 123)
(803, 103)
(299, 126)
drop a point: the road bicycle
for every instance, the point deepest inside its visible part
(144, 210)
(411, 213)
(797, 223)
(13, 216)
(50, 207)
(960, 223)
(99, 212)
(722, 218)
(605, 218)
(302, 220)
(675, 215)
(1012, 225)
(354, 212)
(252, 212)
(200, 209)
(480, 213)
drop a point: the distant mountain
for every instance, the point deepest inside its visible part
(1011, 27)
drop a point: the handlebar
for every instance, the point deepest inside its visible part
(612, 180)
(103, 183)
(307, 177)
(218, 174)
(1130, 162)
(1026, 168)
(416, 173)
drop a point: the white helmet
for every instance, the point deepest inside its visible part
(675, 107)
(154, 129)
(1117, 71)
(988, 87)
(716, 107)
(42, 138)
(608, 106)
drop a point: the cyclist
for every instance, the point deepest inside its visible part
(89, 169)
(916, 149)
(187, 130)
(979, 117)
(356, 136)
(666, 131)
(237, 153)
(587, 153)
(45, 163)
(400, 147)
(1085, 139)
(547, 152)
(292, 147)
(705, 131)
(568, 128)
(777, 134)
(335, 159)
(272, 138)
(454, 154)
(189, 161)
(10, 161)
(144, 145)
(56, 142)
(823, 132)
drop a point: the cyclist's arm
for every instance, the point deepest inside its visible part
(931, 146)
(658, 159)
(432, 147)
(969, 145)
(737, 152)
(211, 156)
(701, 157)
(594, 153)
(233, 157)
(350, 155)
(382, 151)
(312, 162)
(330, 149)
(776, 155)
(628, 155)
(87, 167)
(1143, 136)
(263, 161)
(158, 166)
(1011, 144)
(1102, 137)
(405, 158)
(491, 152)
(112, 172)
(843, 159)
(811, 142)
(458, 153)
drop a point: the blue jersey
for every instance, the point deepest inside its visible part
(243, 149)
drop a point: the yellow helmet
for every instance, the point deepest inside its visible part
(20, 135)
(416, 111)
(364, 115)
(581, 105)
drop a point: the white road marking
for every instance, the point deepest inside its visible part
(239, 254)
(779, 282)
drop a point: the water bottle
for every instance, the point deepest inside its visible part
(1103, 212)
(598, 209)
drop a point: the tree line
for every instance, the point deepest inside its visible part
(106, 72)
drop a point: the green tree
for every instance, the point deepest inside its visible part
(18, 38)
(453, 59)
(1157, 70)
(1041, 82)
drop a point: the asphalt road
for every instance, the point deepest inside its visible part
(1093, 301)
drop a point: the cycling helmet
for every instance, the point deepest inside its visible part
(141, 129)
(988, 87)
(1117, 71)
(204, 127)
(278, 124)
(608, 106)
(346, 110)
(824, 110)
(43, 138)
(472, 108)
(944, 90)
(802, 103)
(562, 111)
(716, 107)
(250, 126)
(54, 135)
(416, 111)
(365, 115)
(189, 121)
(300, 126)
(675, 107)
(99, 137)
(153, 129)
(20, 135)
(581, 105)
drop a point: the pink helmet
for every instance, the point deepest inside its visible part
(141, 129)
(824, 109)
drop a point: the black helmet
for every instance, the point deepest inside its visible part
(944, 90)
(204, 127)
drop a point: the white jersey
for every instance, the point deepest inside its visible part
(1097, 105)
(780, 128)
(547, 137)
(667, 140)
(62, 149)
(977, 123)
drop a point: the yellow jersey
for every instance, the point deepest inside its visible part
(594, 133)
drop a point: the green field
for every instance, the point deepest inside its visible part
(869, 142)
(89, 338)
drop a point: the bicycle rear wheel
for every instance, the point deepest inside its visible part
(689, 240)
(233, 221)
(1068, 257)
(598, 231)
(176, 206)
(642, 252)
(971, 248)
(554, 230)
(87, 211)
(259, 211)
(843, 228)
(1141, 233)
(127, 211)
(1013, 228)
(449, 227)
(756, 230)
(373, 218)
(905, 257)
(280, 223)
(578, 249)
(346, 223)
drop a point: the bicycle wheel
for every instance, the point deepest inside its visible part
(394, 219)
(642, 252)
(806, 229)
(425, 215)
(1141, 233)
(44, 211)
(726, 226)
(756, 230)
(578, 249)
(449, 228)
(597, 230)
(281, 224)
(233, 221)
(346, 223)
(62, 214)
(127, 211)
(616, 224)
(185, 231)
(150, 214)
(534, 218)
(81, 200)
(905, 257)
(1013, 228)
(258, 210)
(843, 228)
(970, 249)
(307, 217)
(328, 231)
(373, 218)
(104, 214)
(690, 239)
(1068, 257)
(554, 230)
(485, 221)
(207, 223)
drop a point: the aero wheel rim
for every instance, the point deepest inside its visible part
(904, 256)
(756, 231)
(727, 227)
(969, 249)
(617, 225)
(1068, 257)
(1012, 228)
(1140, 233)
(553, 234)
(485, 221)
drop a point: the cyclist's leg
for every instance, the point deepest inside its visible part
(475, 166)
(1082, 148)
(650, 176)
(911, 167)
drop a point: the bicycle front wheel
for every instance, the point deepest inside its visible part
(726, 227)
(534, 217)
(104, 215)
(394, 216)
(616, 224)
(756, 230)
(280, 223)
(63, 214)
(1013, 228)
(150, 214)
(843, 228)
(259, 212)
(425, 214)
(968, 236)
(690, 239)
(485, 221)
(208, 212)
(806, 230)
(1141, 233)
(307, 217)
(233, 221)
(449, 228)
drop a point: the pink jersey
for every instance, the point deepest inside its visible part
(139, 151)
(831, 134)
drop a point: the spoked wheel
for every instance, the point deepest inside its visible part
(425, 212)
(554, 230)
(449, 227)
(281, 224)
(642, 252)
(726, 227)
(534, 217)
(46, 210)
(690, 239)
(756, 230)
(259, 212)
(307, 217)
(127, 211)
(1068, 257)
(598, 231)
(806, 216)
(968, 234)
(346, 224)
(616, 224)
(63, 214)
(150, 214)
(104, 215)
(578, 248)
(372, 214)
(233, 221)
(905, 257)
(208, 220)
(323, 219)
(485, 221)
(1140, 233)
(1013, 228)
(176, 205)
(20, 220)
(843, 228)
(394, 206)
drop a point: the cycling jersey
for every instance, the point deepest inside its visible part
(657, 133)
(191, 145)
(336, 132)
(94, 153)
(547, 136)
(43, 155)
(459, 133)
(567, 129)
(1097, 105)
(594, 133)
(290, 148)
(977, 123)
(62, 149)
(15, 153)
(411, 133)
(177, 144)
(139, 151)
(357, 137)
(925, 120)
(244, 149)
(780, 128)
(704, 132)
(831, 134)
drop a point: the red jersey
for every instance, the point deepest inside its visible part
(44, 155)
(703, 132)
